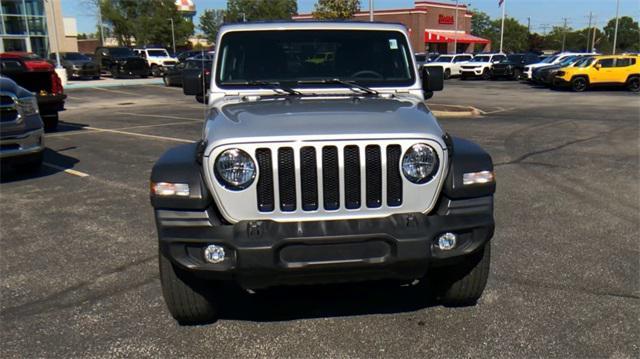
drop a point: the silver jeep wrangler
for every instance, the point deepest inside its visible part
(320, 169)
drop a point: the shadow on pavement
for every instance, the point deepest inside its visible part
(59, 161)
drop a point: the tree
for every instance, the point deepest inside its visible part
(145, 21)
(210, 22)
(250, 10)
(335, 9)
(628, 34)
(480, 23)
(516, 35)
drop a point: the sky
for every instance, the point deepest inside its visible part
(543, 13)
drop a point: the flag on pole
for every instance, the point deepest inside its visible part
(500, 2)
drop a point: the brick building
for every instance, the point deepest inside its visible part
(432, 26)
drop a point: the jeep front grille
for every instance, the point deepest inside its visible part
(327, 180)
(308, 173)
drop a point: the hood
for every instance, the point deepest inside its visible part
(309, 118)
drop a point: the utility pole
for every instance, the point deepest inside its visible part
(173, 36)
(371, 10)
(564, 33)
(544, 28)
(595, 33)
(615, 33)
(504, 6)
(589, 31)
(455, 37)
(100, 23)
(528, 24)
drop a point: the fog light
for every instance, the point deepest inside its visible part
(447, 241)
(214, 254)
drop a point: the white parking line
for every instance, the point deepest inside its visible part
(141, 135)
(115, 91)
(160, 116)
(66, 170)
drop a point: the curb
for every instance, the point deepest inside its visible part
(440, 110)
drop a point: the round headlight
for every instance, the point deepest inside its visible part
(420, 163)
(235, 169)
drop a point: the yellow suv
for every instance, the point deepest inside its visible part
(601, 70)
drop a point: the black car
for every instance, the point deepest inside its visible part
(188, 54)
(544, 75)
(121, 62)
(77, 65)
(513, 66)
(174, 75)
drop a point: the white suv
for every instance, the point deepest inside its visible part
(157, 59)
(480, 66)
(450, 63)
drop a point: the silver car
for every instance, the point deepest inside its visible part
(320, 162)
(21, 128)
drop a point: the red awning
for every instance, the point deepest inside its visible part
(433, 36)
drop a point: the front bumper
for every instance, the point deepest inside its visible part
(266, 253)
(84, 72)
(21, 145)
(50, 104)
(472, 72)
(498, 72)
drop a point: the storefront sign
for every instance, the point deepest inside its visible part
(445, 20)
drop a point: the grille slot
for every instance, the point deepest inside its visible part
(265, 181)
(8, 111)
(330, 178)
(352, 195)
(374, 176)
(309, 178)
(287, 179)
(394, 181)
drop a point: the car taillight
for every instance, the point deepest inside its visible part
(207, 72)
(56, 84)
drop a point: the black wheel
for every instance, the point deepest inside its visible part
(633, 84)
(486, 74)
(579, 84)
(463, 284)
(517, 74)
(30, 163)
(447, 74)
(188, 298)
(50, 122)
(96, 77)
(166, 80)
(114, 72)
(155, 71)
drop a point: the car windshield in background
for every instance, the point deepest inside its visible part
(199, 63)
(443, 59)
(375, 58)
(549, 60)
(158, 53)
(121, 52)
(514, 58)
(74, 56)
(584, 62)
(481, 59)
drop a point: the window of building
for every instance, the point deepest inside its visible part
(37, 25)
(39, 45)
(14, 25)
(12, 7)
(14, 44)
(34, 7)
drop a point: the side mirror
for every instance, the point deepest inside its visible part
(597, 66)
(432, 80)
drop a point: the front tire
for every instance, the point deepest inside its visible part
(188, 298)
(486, 74)
(50, 122)
(155, 71)
(463, 284)
(166, 81)
(579, 84)
(633, 84)
(447, 74)
(517, 74)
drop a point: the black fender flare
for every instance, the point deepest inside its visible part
(466, 157)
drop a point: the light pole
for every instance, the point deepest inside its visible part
(371, 10)
(173, 36)
(615, 33)
(455, 37)
(60, 71)
(100, 22)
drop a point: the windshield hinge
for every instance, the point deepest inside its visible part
(402, 91)
(232, 93)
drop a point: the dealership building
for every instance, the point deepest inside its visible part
(433, 26)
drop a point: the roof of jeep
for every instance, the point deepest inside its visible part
(312, 25)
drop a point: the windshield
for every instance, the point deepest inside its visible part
(584, 62)
(515, 58)
(443, 59)
(121, 52)
(74, 56)
(481, 59)
(379, 58)
(568, 61)
(549, 60)
(158, 53)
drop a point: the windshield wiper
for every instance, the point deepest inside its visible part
(350, 84)
(272, 85)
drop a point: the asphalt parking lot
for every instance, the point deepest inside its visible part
(78, 256)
